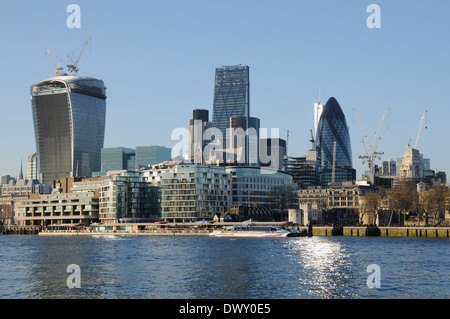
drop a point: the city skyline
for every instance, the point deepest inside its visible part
(144, 59)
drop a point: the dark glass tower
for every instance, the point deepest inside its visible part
(245, 131)
(332, 128)
(231, 96)
(69, 121)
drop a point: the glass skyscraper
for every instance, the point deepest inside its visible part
(332, 128)
(69, 121)
(231, 97)
(118, 158)
(154, 154)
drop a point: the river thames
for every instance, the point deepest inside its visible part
(162, 267)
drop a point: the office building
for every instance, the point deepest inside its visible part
(275, 148)
(318, 109)
(231, 96)
(332, 128)
(121, 158)
(389, 168)
(338, 174)
(412, 166)
(197, 127)
(244, 141)
(149, 155)
(69, 122)
(303, 171)
(32, 167)
(118, 158)
(251, 187)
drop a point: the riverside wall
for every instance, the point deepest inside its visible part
(429, 232)
(358, 231)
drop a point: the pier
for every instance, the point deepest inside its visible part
(20, 230)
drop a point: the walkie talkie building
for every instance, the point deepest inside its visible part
(69, 120)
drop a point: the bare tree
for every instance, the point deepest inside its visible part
(403, 198)
(432, 203)
(370, 205)
(283, 198)
(5, 214)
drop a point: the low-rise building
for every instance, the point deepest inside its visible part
(63, 207)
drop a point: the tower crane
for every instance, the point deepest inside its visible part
(58, 68)
(73, 67)
(372, 153)
(419, 133)
(287, 144)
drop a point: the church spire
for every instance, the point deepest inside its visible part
(21, 173)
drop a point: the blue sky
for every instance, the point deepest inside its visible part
(157, 59)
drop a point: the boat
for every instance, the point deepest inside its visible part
(257, 231)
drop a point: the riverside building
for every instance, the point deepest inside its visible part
(195, 192)
(65, 206)
(126, 197)
(69, 121)
(251, 187)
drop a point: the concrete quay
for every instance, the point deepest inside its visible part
(361, 231)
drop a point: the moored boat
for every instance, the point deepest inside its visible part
(256, 231)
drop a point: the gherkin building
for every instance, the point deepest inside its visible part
(332, 128)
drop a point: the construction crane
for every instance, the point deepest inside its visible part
(372, 153)
(287, 144)
(419, 133)
(57, 66)
(73, 67)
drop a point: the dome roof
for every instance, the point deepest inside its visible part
(332, 109)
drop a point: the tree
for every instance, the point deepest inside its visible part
(403, 198)
(370, 204)
(5, 214)
(283, 197)
(433, 202)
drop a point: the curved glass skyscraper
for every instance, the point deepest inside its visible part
(69, 121)
(332, 128)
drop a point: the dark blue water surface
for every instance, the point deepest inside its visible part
(203, 267)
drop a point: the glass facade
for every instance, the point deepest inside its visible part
(341, 174)
(332, 128)
(190, 193)
(251, 187)
(148, 155)
(231, 96)
(128, 198)
(118, 158)
(244, 140)
(69, 121)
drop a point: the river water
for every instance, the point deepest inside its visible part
(211, 268)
